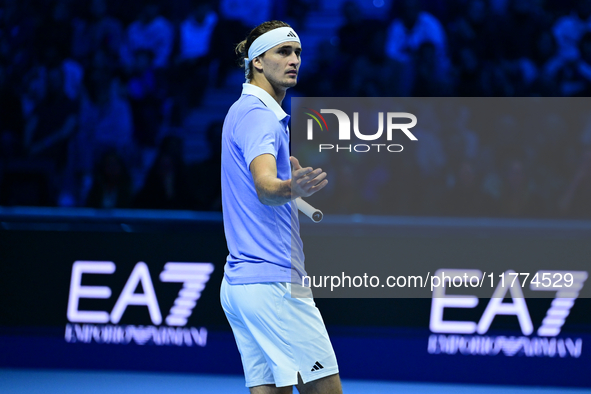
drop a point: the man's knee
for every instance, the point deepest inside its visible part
(326, 385)
(271, 389)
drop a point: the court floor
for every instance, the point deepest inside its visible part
(29, 381)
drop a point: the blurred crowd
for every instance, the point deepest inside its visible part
(93, 94)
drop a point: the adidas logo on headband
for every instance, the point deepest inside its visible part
(291, 34)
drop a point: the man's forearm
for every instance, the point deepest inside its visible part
(64, 132)
(274, 191)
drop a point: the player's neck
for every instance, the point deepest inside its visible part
(278, 94)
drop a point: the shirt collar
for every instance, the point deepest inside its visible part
(266, 98)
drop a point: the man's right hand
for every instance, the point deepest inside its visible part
(305, 181)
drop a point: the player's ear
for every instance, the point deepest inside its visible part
(258, 64)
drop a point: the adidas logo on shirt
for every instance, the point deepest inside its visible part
(317, 367)
(291, 34)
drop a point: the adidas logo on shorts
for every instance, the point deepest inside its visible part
(317, 367)
(291, 34)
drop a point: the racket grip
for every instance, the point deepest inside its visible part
(308, 210)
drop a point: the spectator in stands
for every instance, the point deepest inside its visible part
(355, 33)
(12, 123)
(20, 21)
(348, 191)
(467, 73)
(249, 14)
(145, 91)
(126, 11)
(523, 23)
(495, 80)
(98, 31)
(152, 32)
(195, 33)
(461, 143)
(72, 71)
(52, 123)
(55, 29)
(205, 176)
(296, 12)
(551, 155)
(166, 186)
(111, 186)
(106, 121)
(475, 28)
(189, 77)
(236, 19)
(546, 61)
(374, 193)
(431, 158)
(575, 200)
(569, 29)
(569, 79)
(33, 89)
(411, 28)
(466, 197)
(430, 79)
(355, 38)
(372, 74)
(584, 64)
(518, 198)
(326, 76)
(473, 40)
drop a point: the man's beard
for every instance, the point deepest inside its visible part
(283, 83)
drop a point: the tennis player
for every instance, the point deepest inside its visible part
(281, 338)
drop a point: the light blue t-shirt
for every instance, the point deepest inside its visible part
(263, 241)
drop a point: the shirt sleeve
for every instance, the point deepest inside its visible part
(258, 134)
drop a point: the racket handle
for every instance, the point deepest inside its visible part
(309, 210)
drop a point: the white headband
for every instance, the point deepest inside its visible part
(267, 41)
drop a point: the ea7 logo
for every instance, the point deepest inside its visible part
(194, 276)
(551, 325)
(345, 124)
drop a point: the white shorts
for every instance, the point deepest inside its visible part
(277, 335)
